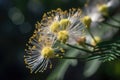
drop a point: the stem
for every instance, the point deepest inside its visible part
(99, 50)
(92, 35)
(72, 58)
(89, 45)
(111, 17)
(89, 59)
(95, 42)
(111, 25)
(115, 19)
(81, 59)
(79, 48)
(66, 57)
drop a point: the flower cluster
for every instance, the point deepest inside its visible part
(56, 25)
(69, 27)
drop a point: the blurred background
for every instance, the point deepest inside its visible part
(17, 23)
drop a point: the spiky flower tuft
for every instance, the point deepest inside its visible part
(65, 25)
(103, 9)
(40, 50)
(86, 21)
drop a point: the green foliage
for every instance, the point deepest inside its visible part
(107, 50)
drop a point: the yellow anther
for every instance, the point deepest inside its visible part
(50, 66)
(44, 15)
(103, 9)
(98, 39)
(33, 47)
(57, 55)
(86, 21)
(47, 52)
(62, 50)
(39, 40)
(63, 36)
(55, 27)
(64, 23)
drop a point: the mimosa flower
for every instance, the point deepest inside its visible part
(87, 21)
(40, 51)
(95, 12)
(65, 25)
(96, 9)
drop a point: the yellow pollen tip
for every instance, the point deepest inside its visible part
(62, 50)
(86, 21)
(64, 23)
(55, 27)
(98, 39)
(103, 9)
(47, 52)
(62, 36)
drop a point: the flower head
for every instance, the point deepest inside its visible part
(40, 50)
(65, 25)
(92, 12)
(103, 9)
(86, 21)
(97, 9)
(63, 36)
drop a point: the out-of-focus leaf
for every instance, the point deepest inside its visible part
(91, 67)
